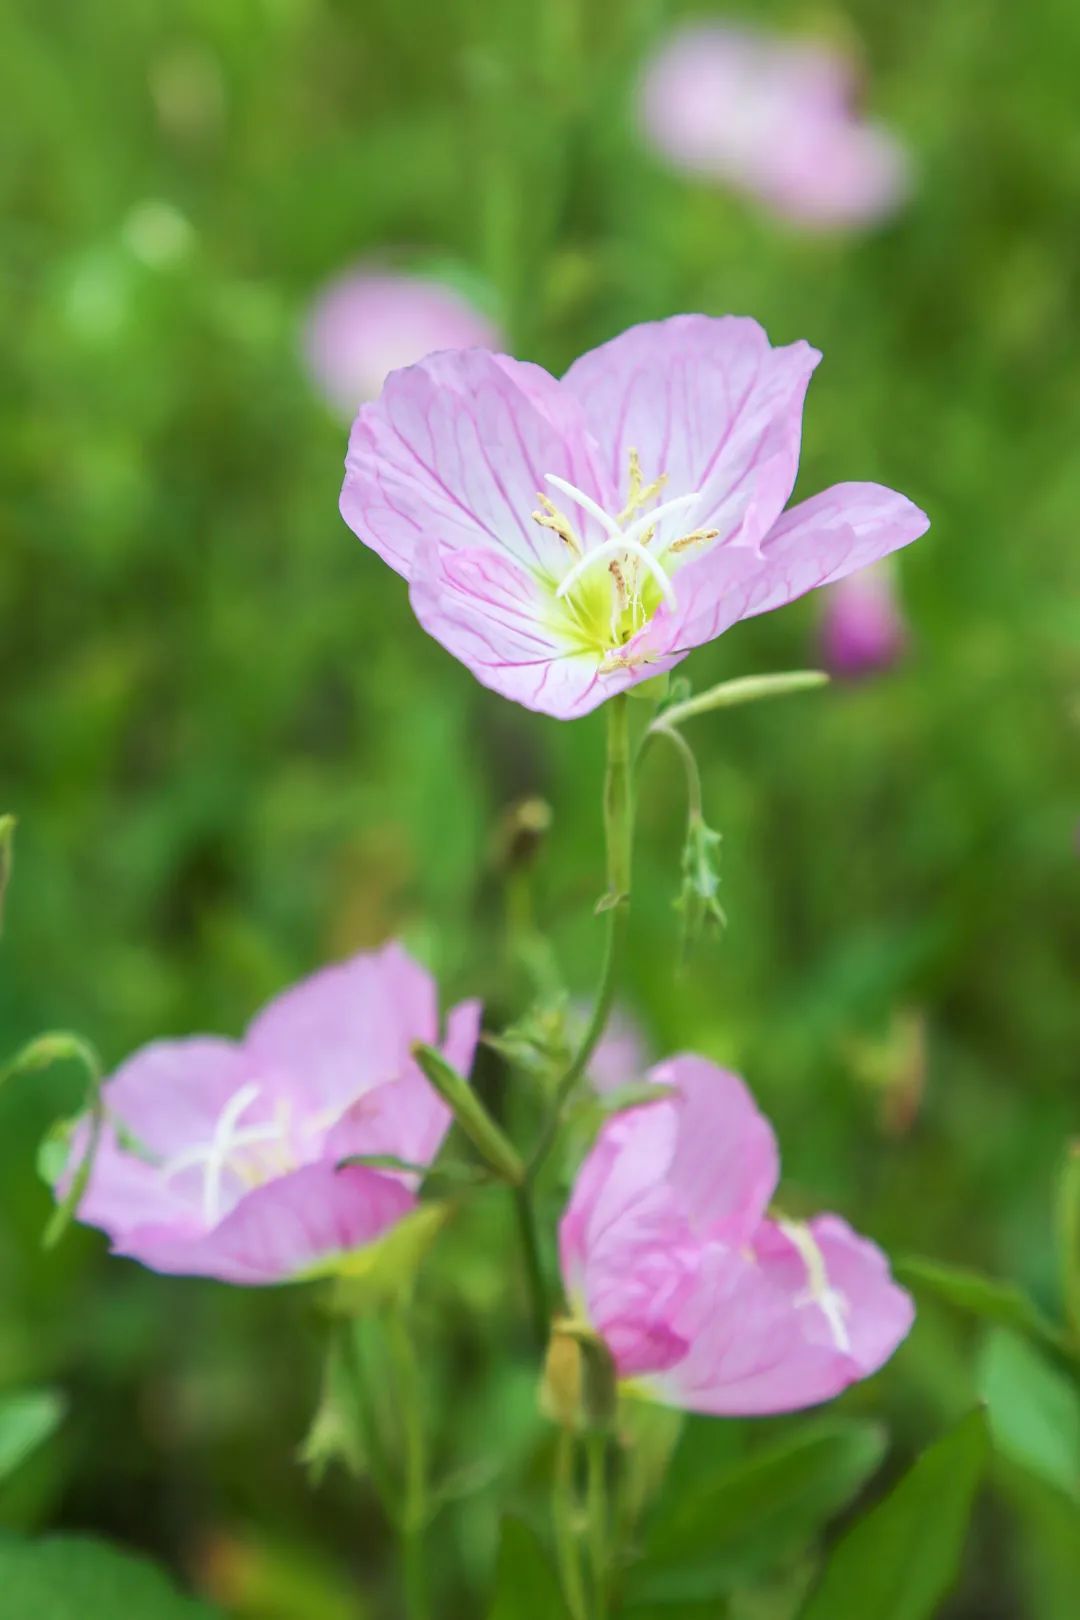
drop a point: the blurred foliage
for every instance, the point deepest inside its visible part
(233, 754)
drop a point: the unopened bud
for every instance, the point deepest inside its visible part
(521, 832)
(579, 1388)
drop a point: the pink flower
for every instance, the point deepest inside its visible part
(774, 117)
(219, 1159)
(566, 540)
(862, 627)
(370, 322)
(668, 1254)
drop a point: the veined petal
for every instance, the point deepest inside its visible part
(281, 1230)
(828, 537)
(346, 1029)
(725, 1164)
(494, 616)
(707, 401)
(775, 1334)
(455, 450)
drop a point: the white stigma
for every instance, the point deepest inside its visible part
(829, 1301)
(618, 546)
(586, 502)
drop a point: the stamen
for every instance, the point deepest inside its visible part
(616, 547)
(639, 492)
(551, 518)
(698, 537)
(678, 503)
(586, 502)
(829, 1301)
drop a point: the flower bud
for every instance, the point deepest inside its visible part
(579, 1384)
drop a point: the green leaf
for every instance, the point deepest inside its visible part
(698, 899)
(76, 1578)
(746, 689)
(899, 1561)
(526, 1586)
(1068, 1203)
(982, 1296)
(27, 1418)
(1034, 1410)
(488, 1138)
(727, 1529)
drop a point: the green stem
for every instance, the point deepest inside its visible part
(618, 837)
(597, 1512)
(414, 1513)
(564, 1513)
(534, 1268)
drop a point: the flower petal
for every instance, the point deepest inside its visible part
(170, 1094)
(494, 616)
(280, 1231)
(710, 403)
(725, 1165)
(345, 1030)
(761, 1340)
(456, 450)
(828, 537)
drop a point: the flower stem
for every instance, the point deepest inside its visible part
(597, 1511)
(413, 1517)
(618, 837)
(534, 1269)
(564, 1513)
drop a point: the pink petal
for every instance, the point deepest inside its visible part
(170, 1094)
(406, 1117)
(280, 1231)
(345, 1030)
(725, 1164)
(456, 451)
(710, 403)
(490, 612)
(760, 1343)
(828, 537)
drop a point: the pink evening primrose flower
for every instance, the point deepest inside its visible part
(568, 539)
(776, 118)
(862, 627)
(220, 1157)
(370, 321)
(701, 1298)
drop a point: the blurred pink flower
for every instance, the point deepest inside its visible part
(370, 322)
(219, 1159)
(566, 540)
(667, 1253)
(862, 627)
(775, 117)
(619, 1058)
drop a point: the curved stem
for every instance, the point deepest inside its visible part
(618, 837)
(534, 1268)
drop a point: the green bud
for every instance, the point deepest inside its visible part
(747, 689)
(490, 1141)
(579, 1388)
(1069, 1228)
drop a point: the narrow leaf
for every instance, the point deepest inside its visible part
(7, 837)
(900, 1561)
(739, 1523)
(1034, 1410)
(27, 1419)
(470, 1113)
(526, 1586)
(970, 1291)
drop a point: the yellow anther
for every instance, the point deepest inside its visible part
(640, 493)
(551, 518)
(696, 538)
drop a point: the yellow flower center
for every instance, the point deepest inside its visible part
(610, 591)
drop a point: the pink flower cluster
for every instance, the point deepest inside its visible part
(774, 117)
(568, 539)
(225, 1159)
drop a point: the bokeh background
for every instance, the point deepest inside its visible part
(234, 755)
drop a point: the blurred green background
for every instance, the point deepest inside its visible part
(234, 755)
